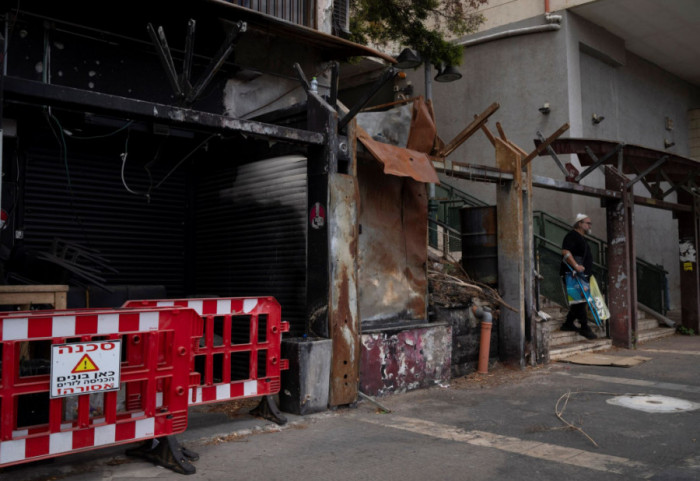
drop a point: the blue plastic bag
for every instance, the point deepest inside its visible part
(574, 295)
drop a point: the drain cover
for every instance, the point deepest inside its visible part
(654, 404)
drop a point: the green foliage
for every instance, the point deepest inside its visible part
(419, 24)
(686, 331)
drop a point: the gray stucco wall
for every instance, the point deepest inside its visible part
(579, 70)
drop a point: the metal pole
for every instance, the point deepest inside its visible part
(432, 203)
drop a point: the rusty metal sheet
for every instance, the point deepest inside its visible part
(423, 132)
(393, 252)
(343, 315)
(399, 161)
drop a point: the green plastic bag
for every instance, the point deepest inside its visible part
(598, 301)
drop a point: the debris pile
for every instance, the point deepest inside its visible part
(451, 286)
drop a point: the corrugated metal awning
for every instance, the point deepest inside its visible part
(398, 160)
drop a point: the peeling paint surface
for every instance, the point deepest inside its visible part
(399, 361)
(343, 316)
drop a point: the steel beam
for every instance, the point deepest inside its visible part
(388, 74)
(621, 265)
(511, 249)
(225, 50)
(597, 162)
(553, 155)
(647, 171)
(545, 144)
(22, 90)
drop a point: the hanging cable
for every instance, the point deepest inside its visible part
(91, 137)
(203, 142)
(124, 155)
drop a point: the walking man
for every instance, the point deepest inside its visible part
(578, 255)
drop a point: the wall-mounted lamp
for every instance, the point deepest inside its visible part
(447, 74)
(408, 58)
(597, 119)
(668, 143)
(545, 108)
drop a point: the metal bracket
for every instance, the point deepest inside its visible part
(181, 85)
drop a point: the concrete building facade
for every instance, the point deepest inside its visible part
(551, 63)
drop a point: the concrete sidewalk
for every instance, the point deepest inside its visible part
(502, 425)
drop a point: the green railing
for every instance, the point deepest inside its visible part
(549, 231)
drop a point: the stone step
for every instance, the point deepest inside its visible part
(558, 338)
(647, 324)
(565, 350)
(657, 333)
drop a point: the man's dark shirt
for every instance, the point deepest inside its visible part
(577, 245)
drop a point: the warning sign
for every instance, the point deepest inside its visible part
(85, 368)
(85, 365)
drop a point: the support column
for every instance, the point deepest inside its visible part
(689, 276)
(529, 269)
(509, 204)
(622, 285)
(331, 290)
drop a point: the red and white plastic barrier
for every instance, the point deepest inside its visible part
(239, 354)
(77, 380)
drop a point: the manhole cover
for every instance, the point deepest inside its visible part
(654, 404)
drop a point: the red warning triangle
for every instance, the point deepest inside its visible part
(85, 365)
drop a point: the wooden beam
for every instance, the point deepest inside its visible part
(469, 130)
(540, 148)
(501, 132)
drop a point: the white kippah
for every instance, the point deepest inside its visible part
(579, 218)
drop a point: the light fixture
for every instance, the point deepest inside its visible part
(545, 108)
(668, 143)
(408, 58)
(447, 74)
(597, 119)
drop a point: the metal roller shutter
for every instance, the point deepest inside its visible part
(251, 233)
(144, 240)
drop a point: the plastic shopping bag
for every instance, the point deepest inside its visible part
(598, 301)
(577, 288)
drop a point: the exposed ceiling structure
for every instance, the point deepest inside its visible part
(667, 33)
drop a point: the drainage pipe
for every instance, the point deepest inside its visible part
(484, 314)
(553, 23)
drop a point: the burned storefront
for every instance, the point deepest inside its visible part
(151, 152)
